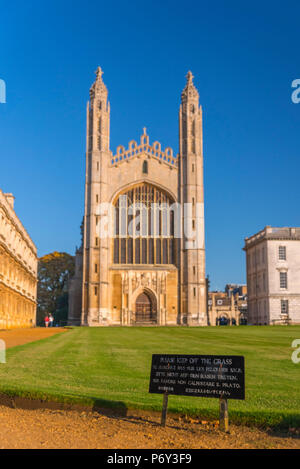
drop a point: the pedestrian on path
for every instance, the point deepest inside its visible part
(46, 320)
(51, 320)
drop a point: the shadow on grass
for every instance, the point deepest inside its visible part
(103, 406)
(110, 408)
(270, 422)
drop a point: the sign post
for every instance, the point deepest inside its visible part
(164, 409)
(224, 421)
(217, 376)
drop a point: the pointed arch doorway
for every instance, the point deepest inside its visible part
(145, 309)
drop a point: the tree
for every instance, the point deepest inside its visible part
(54, 271)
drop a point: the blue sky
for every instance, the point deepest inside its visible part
(244, 56)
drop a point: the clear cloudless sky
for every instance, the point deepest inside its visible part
(244, 56)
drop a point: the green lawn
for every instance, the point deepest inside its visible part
(111, 367)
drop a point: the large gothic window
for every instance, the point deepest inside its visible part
(144, 227)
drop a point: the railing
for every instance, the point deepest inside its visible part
(274, 233)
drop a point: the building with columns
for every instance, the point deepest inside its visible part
(227, 308)
(273, 276)
(149, 268)
(18, 269)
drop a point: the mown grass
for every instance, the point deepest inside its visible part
(111, 367)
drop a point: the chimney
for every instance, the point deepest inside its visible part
(10, 199)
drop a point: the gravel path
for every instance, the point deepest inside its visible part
(14, 337)
(71, 429)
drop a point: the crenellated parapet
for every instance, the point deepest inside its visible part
(144, 148)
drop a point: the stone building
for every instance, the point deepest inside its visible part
(229, 307)
(273, 276)
(147, 275)
(236, 288)
(18, 269)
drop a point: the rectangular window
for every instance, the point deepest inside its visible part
(123, 251)
(165, 251)
(130, 250)
(171, 251)
(151, 251)
(137, 251)
(282, 253)
(264, 282)
(96, 241)
(96, 268)
(144, 251)
(145, 167)
(96, 291)
(158, 251)
(258, 257)
(116, 250)
(283, 280)
(194, 291)
(284, 306)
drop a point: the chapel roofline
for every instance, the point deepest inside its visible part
(155, 151)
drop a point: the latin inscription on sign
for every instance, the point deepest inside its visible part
(198, 375)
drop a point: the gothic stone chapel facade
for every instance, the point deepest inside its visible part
(144, 277)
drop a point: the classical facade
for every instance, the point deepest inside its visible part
(18, 269)
(141, 273)
(229, 307)
(273, 276)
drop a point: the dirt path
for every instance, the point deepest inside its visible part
(70, 429)
(14, 337)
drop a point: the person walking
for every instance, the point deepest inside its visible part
(46, 320)
(51, 320)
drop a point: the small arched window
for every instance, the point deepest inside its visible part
(145, 167)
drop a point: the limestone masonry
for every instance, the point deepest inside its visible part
(18, 269)
(141, 278)
(273, 276)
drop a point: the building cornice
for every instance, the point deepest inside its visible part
(22, 263)
(11, 215)
(270, 233)
(14, 290)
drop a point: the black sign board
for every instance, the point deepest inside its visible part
(221, 376)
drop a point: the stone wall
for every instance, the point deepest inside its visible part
(18, 270)
(264, 266)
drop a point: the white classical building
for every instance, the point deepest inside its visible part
(273, 276)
